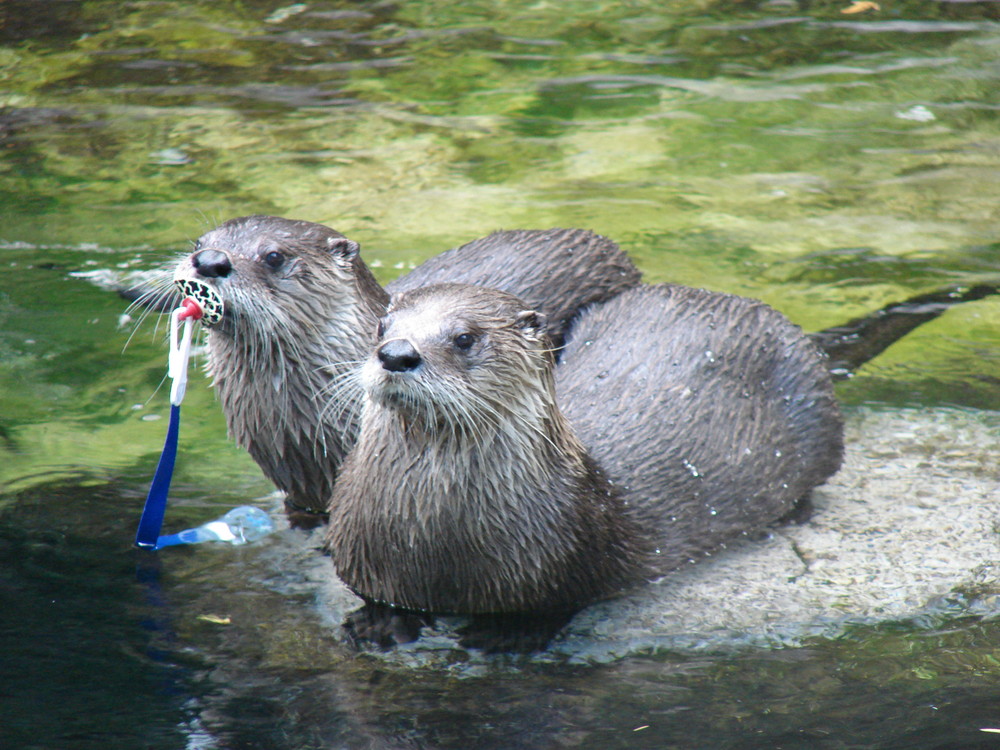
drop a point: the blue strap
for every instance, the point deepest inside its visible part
(188, 536)
(156, 501)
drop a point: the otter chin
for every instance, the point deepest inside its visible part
(694, 417)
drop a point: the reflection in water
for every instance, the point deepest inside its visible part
(826, 163)
(87, 644)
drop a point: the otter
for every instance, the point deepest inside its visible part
(300, 308)
(485, 481)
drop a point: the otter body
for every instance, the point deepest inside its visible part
(300, 310)
(690, 418)
(712, 412)
(466, 491)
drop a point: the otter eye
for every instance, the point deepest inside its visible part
(380, 329)
(275, 259)
(464, 341)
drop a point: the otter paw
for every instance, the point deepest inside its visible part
(518, 633)
(303, 518)
(384, 626)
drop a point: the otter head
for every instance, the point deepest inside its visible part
(459, 359)
(271, 272)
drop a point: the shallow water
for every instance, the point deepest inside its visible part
(827, 163)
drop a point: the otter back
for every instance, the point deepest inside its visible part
(556, 271)
(712, 412)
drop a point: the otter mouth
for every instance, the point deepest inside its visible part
(392, 391)
(206, 296)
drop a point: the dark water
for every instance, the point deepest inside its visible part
(825, 162)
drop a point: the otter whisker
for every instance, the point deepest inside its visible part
(481, 420)
(341, 397)
(148, 303)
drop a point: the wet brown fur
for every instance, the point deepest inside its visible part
(467, 490)
(704, 416)
(284, 338)
(281, 357)
(712, 412)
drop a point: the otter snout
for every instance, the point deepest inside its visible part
(398, 355)
(212, 264)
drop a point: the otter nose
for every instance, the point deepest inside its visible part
(398, 355)
(212, 264)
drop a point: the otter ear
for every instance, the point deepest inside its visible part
(343, 249)
(394, 301)
(530, 321)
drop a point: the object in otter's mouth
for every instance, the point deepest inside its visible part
(299, 311)
(693, 418)
(212, 307)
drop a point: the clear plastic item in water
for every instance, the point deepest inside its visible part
(241, 525)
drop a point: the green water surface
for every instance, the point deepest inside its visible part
(828, 163)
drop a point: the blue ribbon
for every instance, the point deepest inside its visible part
(151, 521)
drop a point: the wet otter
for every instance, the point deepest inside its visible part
(300, 308)
(484, 481)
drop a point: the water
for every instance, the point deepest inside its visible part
(826, 163)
